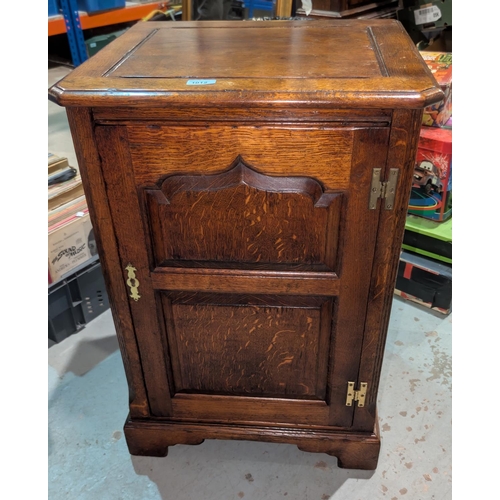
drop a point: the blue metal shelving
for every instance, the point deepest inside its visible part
(252, 5)
(74, 31)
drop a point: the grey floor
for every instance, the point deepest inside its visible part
(88, 457)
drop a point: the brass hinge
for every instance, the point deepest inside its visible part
(132, 282)
(385, 190)
(358, 396)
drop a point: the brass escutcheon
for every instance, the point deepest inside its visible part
(133, 282)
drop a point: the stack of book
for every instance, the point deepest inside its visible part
(65, 184)
(70, 236)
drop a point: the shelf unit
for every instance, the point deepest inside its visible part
(135, 11)
(131, 12)
(73, 22)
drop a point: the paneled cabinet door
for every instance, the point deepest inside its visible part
(247, 254)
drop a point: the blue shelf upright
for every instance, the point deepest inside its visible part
(74, 31)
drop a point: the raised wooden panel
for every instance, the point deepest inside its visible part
(148, 60)
(263, 346)
(246, 219)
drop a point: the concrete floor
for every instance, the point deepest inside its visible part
(88, 457)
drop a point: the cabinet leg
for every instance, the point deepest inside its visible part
(350, 454)
(144, 442)
(140, 449)
(353, 451)
(365, 459)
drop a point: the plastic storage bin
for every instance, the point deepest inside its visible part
(75, 301)
(96, 43)
(252, 5)
(97, 5)
(53, 8)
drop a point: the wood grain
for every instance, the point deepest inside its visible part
(353, 450)
(265, 280)
(250, 409)
(151, 63)
(283, 8)
(248, 348)
(80, 122)
(243, 217)
(187, 60)
(130, 233)
(402, 150)
(359, 234)
(322, 154)
(175, 115)
(251, 281)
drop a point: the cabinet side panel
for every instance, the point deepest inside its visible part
(402, 150)
(80, 121)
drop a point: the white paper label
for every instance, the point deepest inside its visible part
(427, 15)
(307, 6)
(79, 214)
(200, 82)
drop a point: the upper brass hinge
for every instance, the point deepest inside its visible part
(385, 190)
(358, 396)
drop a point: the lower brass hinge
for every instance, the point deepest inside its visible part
(358, 396)
(385, 190)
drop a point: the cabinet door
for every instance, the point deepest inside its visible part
(248, 253)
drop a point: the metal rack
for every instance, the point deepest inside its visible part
(73, 23)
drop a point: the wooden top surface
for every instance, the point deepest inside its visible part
(337, 63)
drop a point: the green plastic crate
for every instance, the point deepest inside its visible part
(429, 238)
(96, 43)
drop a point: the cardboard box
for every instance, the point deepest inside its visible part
(440, 64)
(425, 282)
(69, 246)
(431, 191)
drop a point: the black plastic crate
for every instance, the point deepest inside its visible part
(76, 300)
(425, 281)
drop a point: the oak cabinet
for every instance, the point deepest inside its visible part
(248, 185)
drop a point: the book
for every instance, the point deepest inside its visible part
(64, 213)
(62, 193)
(56, 163)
